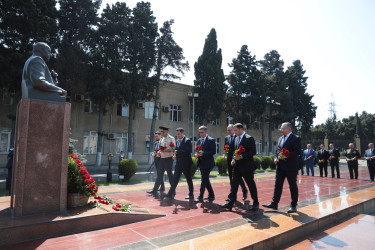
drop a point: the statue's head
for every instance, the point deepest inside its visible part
(42, 50)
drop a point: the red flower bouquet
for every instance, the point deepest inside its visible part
(331, 157)
(79, 179)
(198, 148)
(322, 160)
(162, 148)
(226, 149)
(172, 146)
(156, 153)
(239, 151)
(284, 154)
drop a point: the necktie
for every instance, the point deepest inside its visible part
(178, 143)
(282, 141)
(238, 142)
(308, 152)
(230, 140)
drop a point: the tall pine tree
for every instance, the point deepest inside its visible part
(209, 81)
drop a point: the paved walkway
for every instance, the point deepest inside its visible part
(207, 226)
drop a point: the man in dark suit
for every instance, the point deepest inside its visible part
(156, 156)
(183, 164)
(205, 163)
(352, 155)
(286, 167)
(323, 156)
(334, 156)
(370, 158)
(229, 140)
(243, 167)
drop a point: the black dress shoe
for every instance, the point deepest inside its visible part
(254, 208)
(227, 199)
(167, 198)
(271, 205)
(199, 199)
(189, 197)
(151, 192)
(210, 197)
(227, 205)
(244, 197)
(292, 210)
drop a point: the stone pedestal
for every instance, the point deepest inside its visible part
(40, 164)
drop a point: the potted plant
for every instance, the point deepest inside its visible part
(80, 183)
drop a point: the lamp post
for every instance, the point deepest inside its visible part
(193, 96)
(109, 173)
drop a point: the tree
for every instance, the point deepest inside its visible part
(274, 91)
(243, 99)
(139, 62)
(302, 110)
(77, 19)
(169, 55)
(107, 55)
(209, 81)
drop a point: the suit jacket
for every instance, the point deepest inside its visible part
(307, 154)
(231, 148)
(324, 155)
(335, 152)
(368, 154)
(183, 155)
(247, 160)
(293, 144)
(209, 149)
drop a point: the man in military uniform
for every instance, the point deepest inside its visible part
(166, 160)
(334, 156)
(352, 155)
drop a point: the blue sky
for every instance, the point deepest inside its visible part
(334, 39)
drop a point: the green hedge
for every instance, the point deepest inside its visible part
(127, 168)
(222, 165)
(272, 165)
(265, 162)
(257, 162)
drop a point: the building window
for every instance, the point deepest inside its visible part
(121, 142)
(175, 113)
(215, 122)
(4, 142)
(90, 140)
(149, 110)
(229, 120)
(217, 142)
(122, 109)
(258, 145)
(6, 97)
(91, 107)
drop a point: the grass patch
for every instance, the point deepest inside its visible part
(118, 182)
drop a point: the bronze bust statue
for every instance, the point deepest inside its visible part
(37, 81)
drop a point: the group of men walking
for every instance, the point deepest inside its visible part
(333, 157)
(241, 166)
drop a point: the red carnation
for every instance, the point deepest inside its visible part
(171, 144)
(163, 148)
(198, 148)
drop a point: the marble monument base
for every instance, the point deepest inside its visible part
(40, 164)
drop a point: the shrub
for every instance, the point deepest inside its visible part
(127, 168)
(265, 162)
(221, 164)
(272, 165)
(79, 179)
(194, 167)
(257, 162)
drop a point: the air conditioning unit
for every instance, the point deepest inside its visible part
(111, 136)
(165, 108)
(79, 97)
(140, 105)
